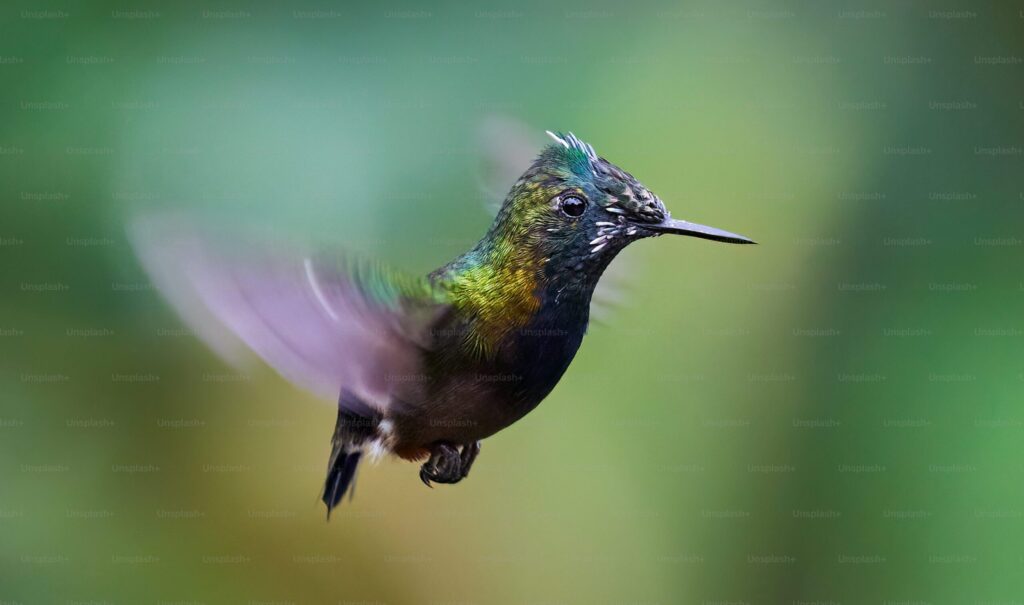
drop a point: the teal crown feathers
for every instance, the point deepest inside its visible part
(581, 156)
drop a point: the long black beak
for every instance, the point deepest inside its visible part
(671, 225)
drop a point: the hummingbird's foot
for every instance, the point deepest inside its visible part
(469, 454)
(448, 464)
(444, 465)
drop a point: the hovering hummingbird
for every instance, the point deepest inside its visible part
(424, 367)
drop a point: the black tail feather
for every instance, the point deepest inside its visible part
(356, 425)
(340, 477)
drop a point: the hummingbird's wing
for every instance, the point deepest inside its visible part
(322, 321)
(508, 148)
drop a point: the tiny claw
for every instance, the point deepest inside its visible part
(425, 479)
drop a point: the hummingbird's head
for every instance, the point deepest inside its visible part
(578, 210)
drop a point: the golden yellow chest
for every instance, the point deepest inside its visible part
(497, 300)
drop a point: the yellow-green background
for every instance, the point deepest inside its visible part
(832, 416)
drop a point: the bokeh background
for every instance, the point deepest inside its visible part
(834, 416)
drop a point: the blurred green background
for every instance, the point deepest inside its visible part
(833, 416)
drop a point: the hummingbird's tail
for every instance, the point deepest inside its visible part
(340, 477)
(351, 433)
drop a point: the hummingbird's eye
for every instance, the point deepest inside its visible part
(573, 205)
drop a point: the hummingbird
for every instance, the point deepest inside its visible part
(423, 367)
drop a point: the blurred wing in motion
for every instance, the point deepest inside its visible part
(612, 289)
(323, 322)
(508, 147)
